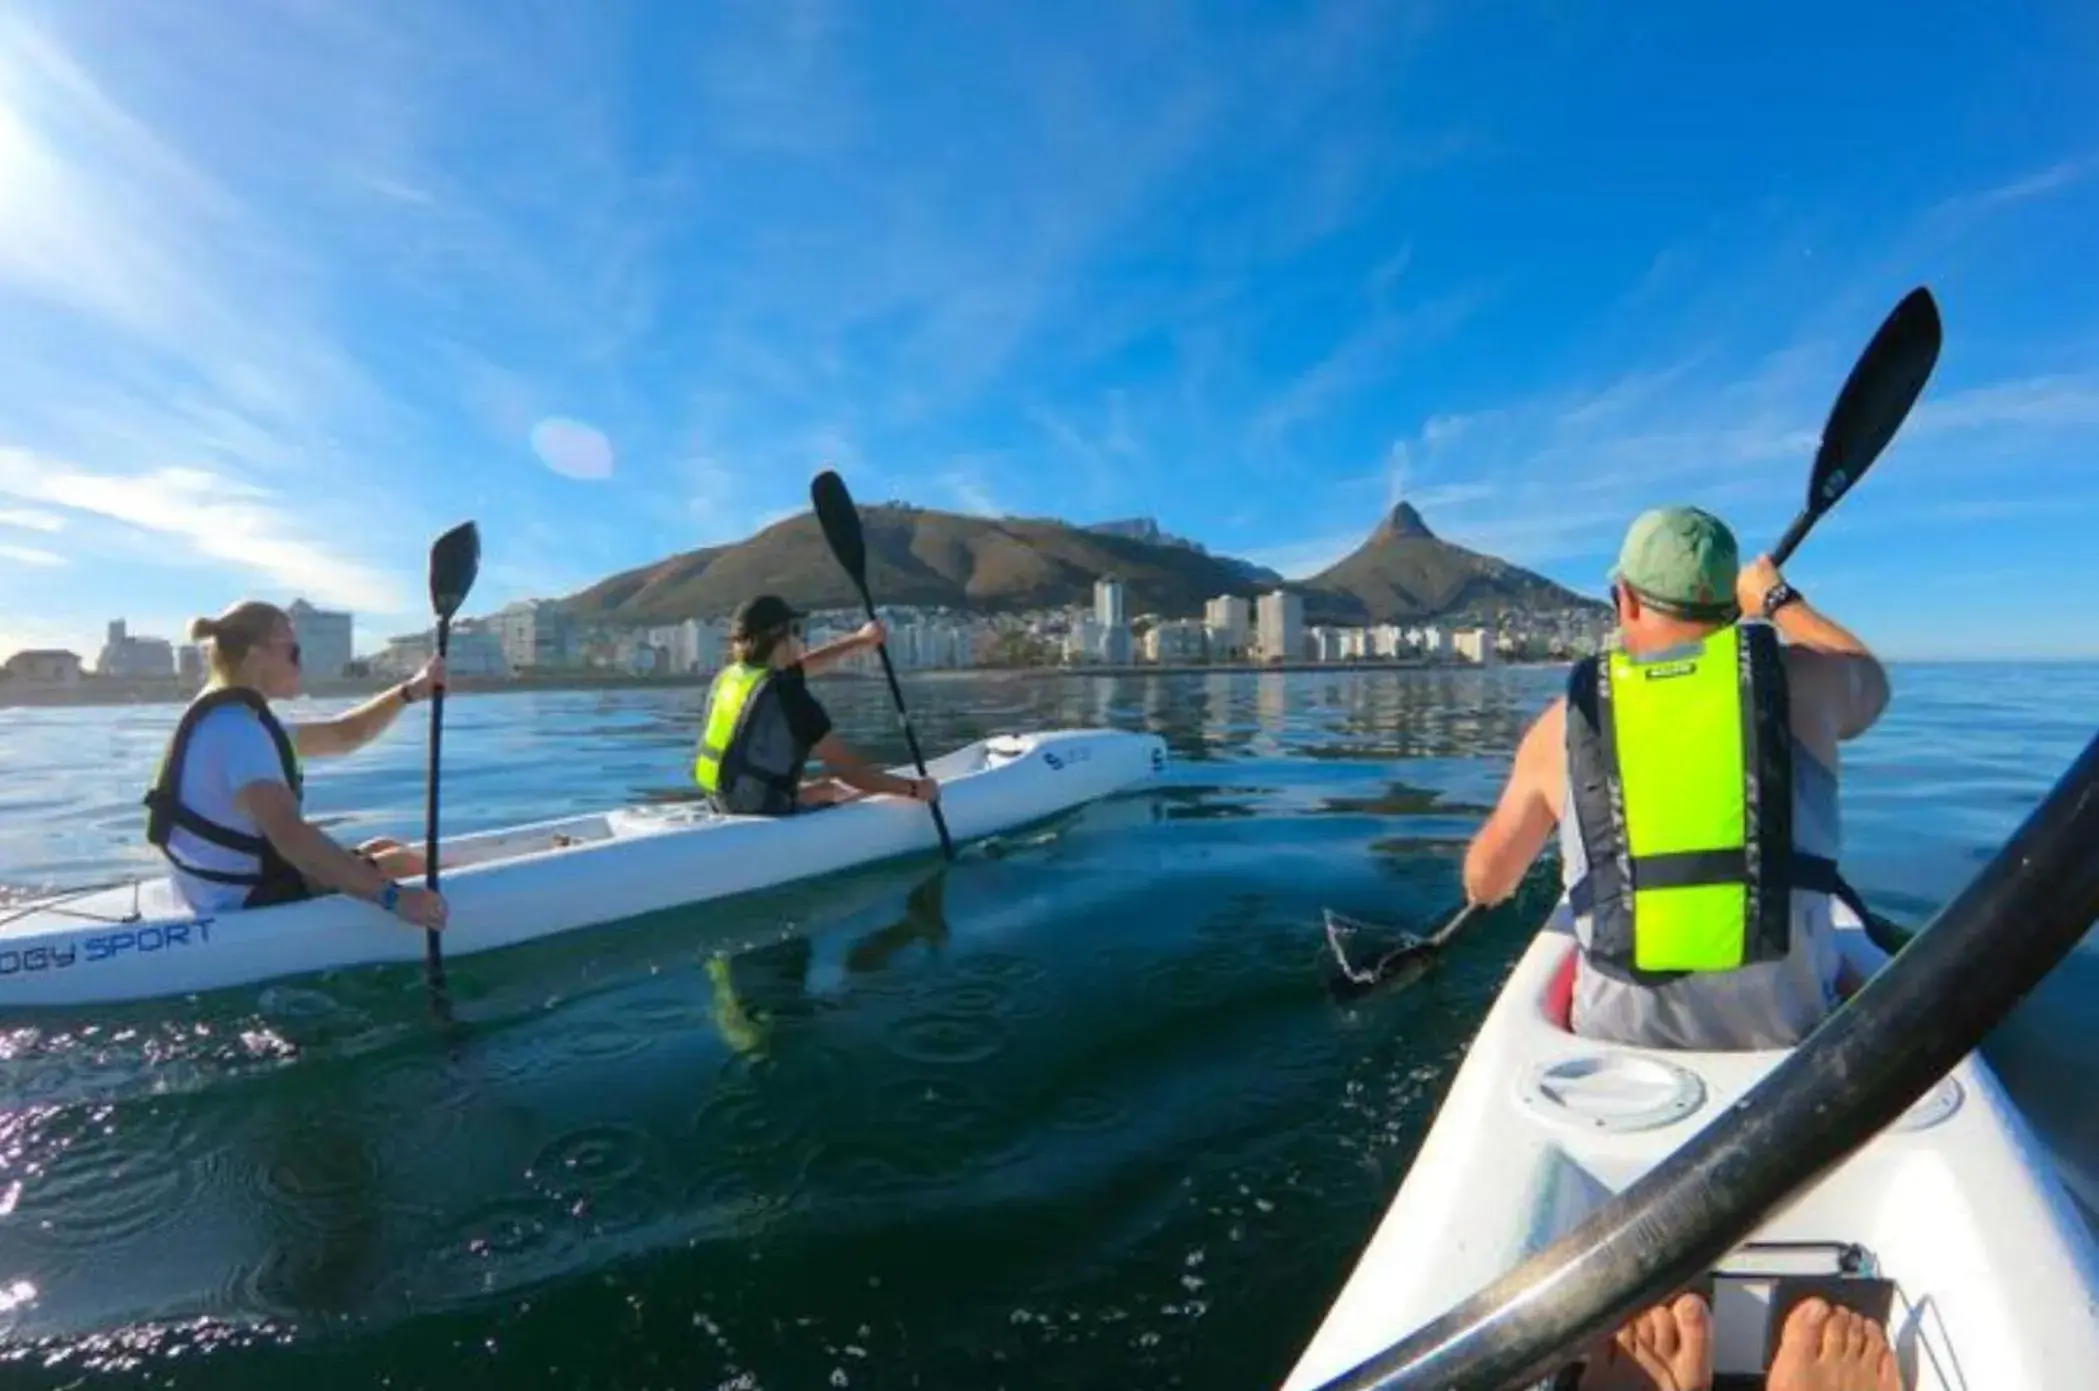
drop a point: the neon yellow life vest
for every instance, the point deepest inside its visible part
(748, 760)
(726, 701)
(1681, 768)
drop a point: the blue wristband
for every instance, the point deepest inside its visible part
(390, 896)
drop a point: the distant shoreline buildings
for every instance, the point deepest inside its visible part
(540, 639)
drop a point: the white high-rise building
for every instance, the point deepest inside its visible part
(327, 638)
(1083, 643)
(1228, 622)
(1475, 644)
(535, 633)
(1281, 626)
(1175, 640)
(1113, 620)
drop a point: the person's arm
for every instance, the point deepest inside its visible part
(1798, 621)
(354, 728)
(1851, 682)
(833, 652)
(1499, 855)
(854, 771)
(275, 812)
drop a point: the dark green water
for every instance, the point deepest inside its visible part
(1081, 1115)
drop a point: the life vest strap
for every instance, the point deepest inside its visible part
(1691, 869)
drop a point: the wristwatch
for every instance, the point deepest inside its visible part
(407, 690)
(390, 896)
(1778, 596)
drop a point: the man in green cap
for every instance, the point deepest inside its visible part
(1692, 772)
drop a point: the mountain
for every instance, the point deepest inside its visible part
(1147, 529)
(1405, 573)
(917, 556)
(921, 557)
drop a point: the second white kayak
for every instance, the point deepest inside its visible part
(525, 882)
(1954, 1212)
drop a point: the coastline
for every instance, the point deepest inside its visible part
(93, 691)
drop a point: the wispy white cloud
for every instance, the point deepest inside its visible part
(2055, 400)
(29, 555)
(245, 528)
(2022, 189)
(30, 519)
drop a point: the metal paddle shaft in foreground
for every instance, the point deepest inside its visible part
(455, 562)
(1875, 400)
(841, 523)
(1924, 1011)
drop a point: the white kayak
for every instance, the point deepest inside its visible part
(1995, 1276)
(138, 940)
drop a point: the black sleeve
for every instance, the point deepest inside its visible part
(806, 719)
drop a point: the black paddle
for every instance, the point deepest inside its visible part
(1874, 401)
(455, 560)
(841, 523)
(1348, 980)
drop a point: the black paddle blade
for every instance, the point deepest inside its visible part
(455, 561)
(841, 523)
(1351, 979)
(1876, 399)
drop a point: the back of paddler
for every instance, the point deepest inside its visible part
(762, 724)
(1693, 775)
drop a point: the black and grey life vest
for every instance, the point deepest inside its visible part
(273, 879)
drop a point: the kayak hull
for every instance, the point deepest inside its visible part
(1996, 1277)
(522, 883)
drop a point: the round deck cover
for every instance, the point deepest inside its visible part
(1613, 1092)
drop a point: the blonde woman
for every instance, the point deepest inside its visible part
(226, 806)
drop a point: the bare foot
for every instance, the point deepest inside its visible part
(1666, 1348)
(1832, 1349)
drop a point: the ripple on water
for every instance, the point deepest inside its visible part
(940, 1105)
(112, 1183)
(1017, 973)
(1088, 1110)
(321, 1179)
(593, 1157)
(948, 1036)
(595, 1038)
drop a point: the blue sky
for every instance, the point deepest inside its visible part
(290, 287)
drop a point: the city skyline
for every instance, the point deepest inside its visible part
(291, 290)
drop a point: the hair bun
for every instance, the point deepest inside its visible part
(203, 628)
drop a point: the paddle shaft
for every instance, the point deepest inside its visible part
(896, 695)
(1907, 1027)
(433, 955)
(1796, 533)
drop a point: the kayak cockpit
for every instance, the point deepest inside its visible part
(1950, 1224)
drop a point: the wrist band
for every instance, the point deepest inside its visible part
(390, 896)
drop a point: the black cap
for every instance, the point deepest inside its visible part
(764, 614)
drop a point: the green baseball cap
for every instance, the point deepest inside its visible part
(1684, 560)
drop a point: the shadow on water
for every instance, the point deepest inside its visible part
(1076, 1110)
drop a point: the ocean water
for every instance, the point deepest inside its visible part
(1078, 1111)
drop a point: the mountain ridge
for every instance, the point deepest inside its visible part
(930, 558)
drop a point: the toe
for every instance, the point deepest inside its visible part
(1807, 1326)
(1855, 1343)
(1661, 1332)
